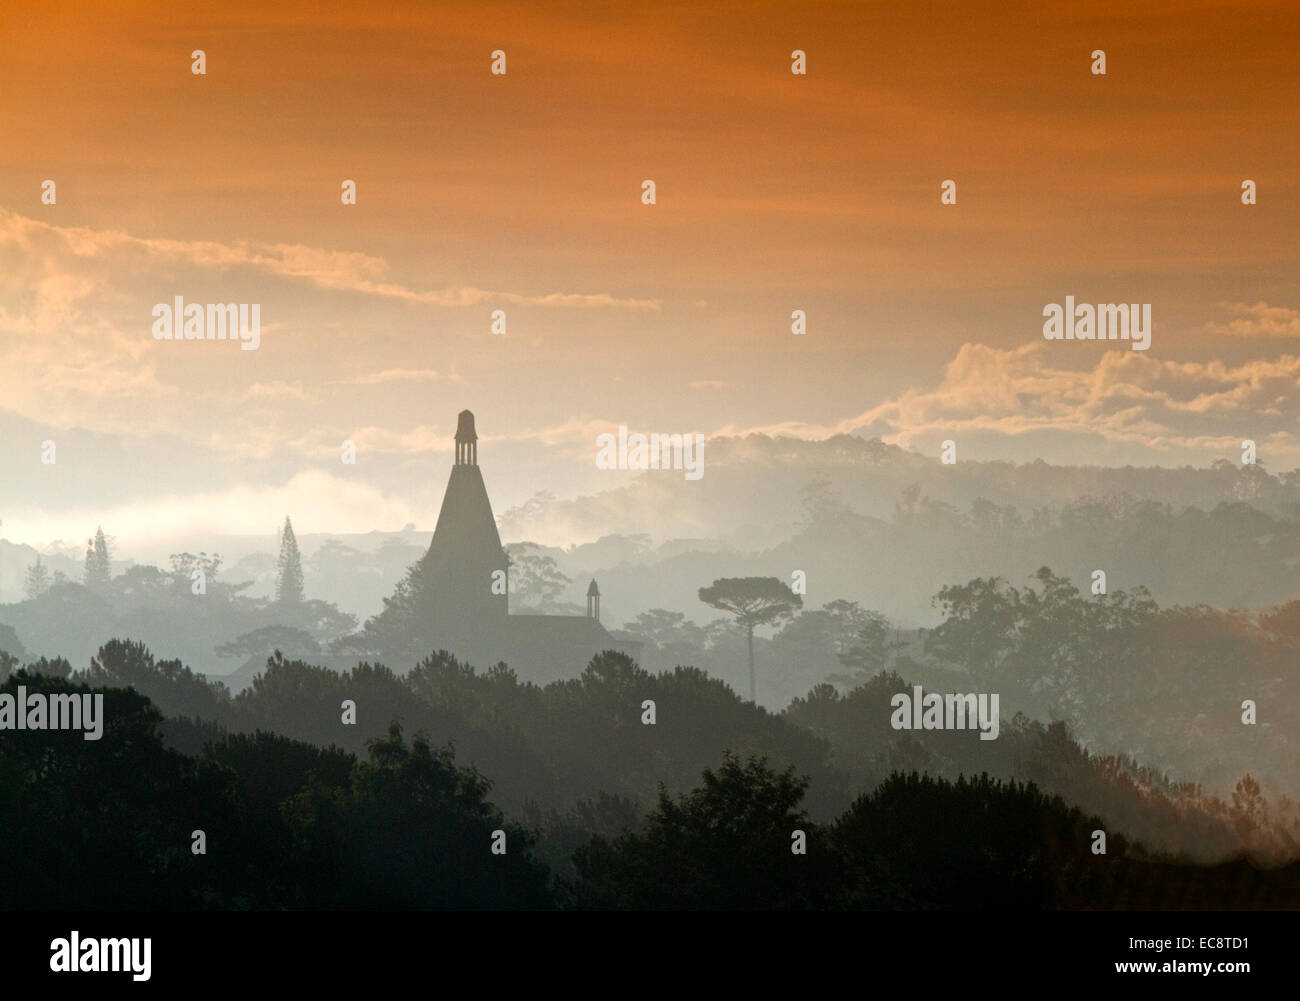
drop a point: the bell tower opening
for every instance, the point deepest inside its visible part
(466, 440)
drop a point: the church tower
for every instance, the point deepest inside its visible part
(458, 598)
(465, 567)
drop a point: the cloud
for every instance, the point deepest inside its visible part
(1126, 397)
(275, 391)
(374, 440)
(707, 384)
(353, 272)
(391, 375)
(348, 271)
(75, 319)
(317, 500)
(1259, 320)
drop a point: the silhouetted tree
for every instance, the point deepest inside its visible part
(99, 566)
(400, 629)
(57, 667)
(11, 651)
(726, 845)
(920, 842)
(1248, 808)
(676, 639)
(263, 642)
(288, 581)
(172, 686)
(412, 830)
(536, 581)
(106, 823)
(184, 565)
(822, 504)
(981, 621)
(871, 650)
(754, 601)
(36, 581)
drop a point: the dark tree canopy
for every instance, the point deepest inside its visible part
(726, 845)
(754, 601)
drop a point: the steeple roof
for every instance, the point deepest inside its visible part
(467, 531)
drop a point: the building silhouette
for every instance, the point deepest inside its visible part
(465, 605)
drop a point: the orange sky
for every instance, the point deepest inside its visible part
(775, 192)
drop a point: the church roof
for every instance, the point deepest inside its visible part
(467, 530)
(551, 627)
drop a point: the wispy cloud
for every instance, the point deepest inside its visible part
(348, 271)
(317, 500)
(390, 375)
(75, 318)
(1259, 320)
(275, 391)
(1127, 397)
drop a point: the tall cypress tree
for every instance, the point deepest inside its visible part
(37, 579)
(288, 583)
(99, 567)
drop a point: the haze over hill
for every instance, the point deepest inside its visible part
(750, 494)
(851, 503)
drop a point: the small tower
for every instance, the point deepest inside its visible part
(466, 440)
(593, 601)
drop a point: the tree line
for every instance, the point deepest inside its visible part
(256, 821)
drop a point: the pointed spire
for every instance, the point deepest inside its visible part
(593, 600)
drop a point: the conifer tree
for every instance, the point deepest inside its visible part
(99, 567)
(37, 579)
(288, 582)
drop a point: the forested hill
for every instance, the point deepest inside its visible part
(752, 489)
